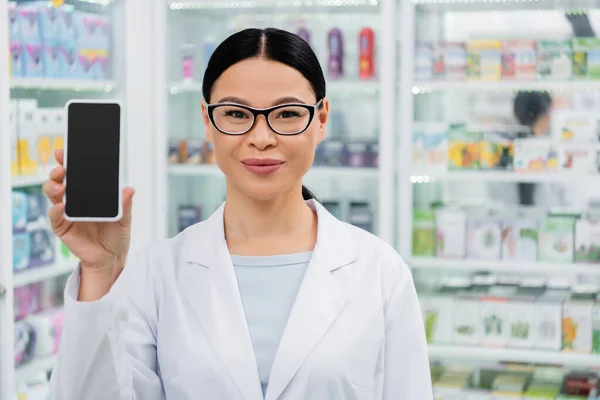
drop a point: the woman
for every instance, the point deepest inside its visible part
(271, 297)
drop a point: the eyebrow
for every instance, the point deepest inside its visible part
(282, 100)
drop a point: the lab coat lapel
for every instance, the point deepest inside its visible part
(218, 304)
(318, 303)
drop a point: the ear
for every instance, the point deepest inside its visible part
(207, 126)
(323, 115)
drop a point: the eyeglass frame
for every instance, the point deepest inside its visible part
(312, 109)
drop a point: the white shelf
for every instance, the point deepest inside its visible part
(505, 266)
(334, 87)
(24, 181)
(424, 176)
(40, 274)
(313, 173)
(506, 86)
(75, 85)
(212, 4)
(465, 353)
(33, 368)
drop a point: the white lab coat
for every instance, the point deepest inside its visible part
(173, 326)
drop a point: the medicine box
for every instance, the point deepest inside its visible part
(13, 22)
(27, 140)
(16, 58)
(49, 22)
(484, 237)
(454, 55)
(33, 65)
(451, 233)
(423, 62)
(534, 155)
(554, 59)
(14, 137)
(575, 126)
(431, 150)
(586, 58)
(437, 316)
(587, 241)
(548, 319)
(464, 146)
(466, 322)
(19, 211)
(520, 238)
(577, 322)
(556, 239)
(44, 140)
(21, 251)
(519, 59)
(42, 246)
(578, 158)
(484, 60)
(28, 20)
(52, 60)
(494, 308)
(65, 19)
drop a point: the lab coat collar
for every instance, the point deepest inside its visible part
(217, 303)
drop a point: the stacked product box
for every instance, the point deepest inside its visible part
(36, 133)
(526, 235)
(504, 312)
(509, 59)
(58, 42)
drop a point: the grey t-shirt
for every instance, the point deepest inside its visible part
(268, 288)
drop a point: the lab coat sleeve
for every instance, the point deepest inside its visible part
(108, 347)
(406, 362)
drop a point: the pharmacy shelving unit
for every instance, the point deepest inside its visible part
(195, 21)
(131, 21)
(437, 20)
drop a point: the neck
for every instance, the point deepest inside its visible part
(246, 218)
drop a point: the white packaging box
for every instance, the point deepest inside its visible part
(28, 134)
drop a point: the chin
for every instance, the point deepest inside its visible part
(263, 191)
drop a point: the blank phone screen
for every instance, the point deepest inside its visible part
(92, 170)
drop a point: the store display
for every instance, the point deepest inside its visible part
(423, 233)
(210, 44)
(430, 145)
(486, 310)
(47, 329)
(190, 151)
(520, 237)
(510, 59)
(451, 233)
(58, 42)
(557, 239)
(587, 240)
(484, 236)
(464, 147)
(304, 33)
(576, 126)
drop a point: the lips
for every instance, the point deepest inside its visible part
(262, 166)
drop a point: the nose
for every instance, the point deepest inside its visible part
(261, 135)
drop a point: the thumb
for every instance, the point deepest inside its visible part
(128, 193)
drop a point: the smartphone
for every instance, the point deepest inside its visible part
(93, 161)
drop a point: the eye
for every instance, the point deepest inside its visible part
(237, 114)
(288, 113)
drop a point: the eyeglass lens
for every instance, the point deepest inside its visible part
(237, 120)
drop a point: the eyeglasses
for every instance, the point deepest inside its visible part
(285, 119)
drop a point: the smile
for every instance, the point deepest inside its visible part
(262, 166)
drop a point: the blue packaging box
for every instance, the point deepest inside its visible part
(32, 60)
(13, 21)
(21, 250)
(19, 211)
(52, 60)
(16, 55)
(28, 21)
(49, 21)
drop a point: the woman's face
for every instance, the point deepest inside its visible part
(261, 83)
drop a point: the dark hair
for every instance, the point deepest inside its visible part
(271, 44)
(529, 106)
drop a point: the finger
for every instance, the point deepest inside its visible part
(56, 215)
(59, 155)
(54, 191)
(58, 174)
(128, 193)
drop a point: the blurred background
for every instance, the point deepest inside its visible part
(464, 133)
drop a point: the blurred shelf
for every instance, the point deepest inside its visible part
(39, 274)
(33, 368)
(465, 353)
(571, 6)
(24, 181)
(507, 86)
(313, 173)
(212, 4)
(335, 87)
(501, 176)
(62, 84)
(504, 266)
